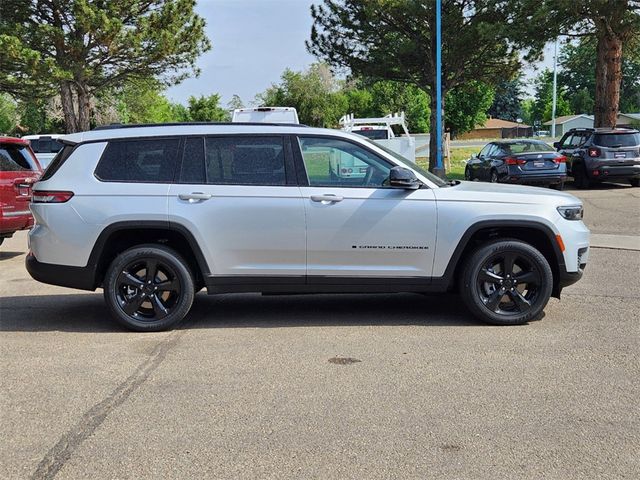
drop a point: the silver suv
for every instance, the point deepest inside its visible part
(153, 214)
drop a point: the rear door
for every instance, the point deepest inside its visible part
(358, 228)
(238, 196)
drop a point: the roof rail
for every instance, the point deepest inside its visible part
(114, 126)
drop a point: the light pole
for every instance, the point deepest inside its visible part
(555, 87)
(439, 170)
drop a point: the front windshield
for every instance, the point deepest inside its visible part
(409, 164)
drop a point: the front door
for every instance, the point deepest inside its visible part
(358, 226)
(241, 202)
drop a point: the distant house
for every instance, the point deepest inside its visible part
(567, 122)
(496, 128)
(628, 120)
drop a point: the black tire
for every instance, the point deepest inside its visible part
(1, 240)
(493, 177)
(467, 174)
(635, 182)
(152, 301)
(557, 186)
(580, 178)
(507, 282)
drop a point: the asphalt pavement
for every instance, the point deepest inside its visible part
(328, 386)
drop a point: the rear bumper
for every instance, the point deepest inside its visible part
(605, 172)
(538, 179)
(11, 222)
(82, 278)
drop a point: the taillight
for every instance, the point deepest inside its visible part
(594, 152)
(514, 161)
(40, 196)
(560, 159)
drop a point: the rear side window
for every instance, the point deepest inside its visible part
(57, 161)
(15, 158)
(139, 161)
(616, 139)
(245, 161)
(373, 134)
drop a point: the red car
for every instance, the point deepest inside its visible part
(19, 169)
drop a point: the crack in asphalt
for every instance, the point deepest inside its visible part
(68, 443)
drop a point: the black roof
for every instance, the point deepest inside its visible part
(114, 126)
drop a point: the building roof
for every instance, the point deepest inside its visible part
(568, 118)
(633, 116)
(498, 123)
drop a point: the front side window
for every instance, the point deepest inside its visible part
(243, 160)
(485, 151)
(139, 161)
(15, 158)
(338, 163)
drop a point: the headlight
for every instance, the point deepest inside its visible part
(572, 212)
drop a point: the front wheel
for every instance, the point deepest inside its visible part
(149, 288)
(506, 282)
(494, 177)
(467, 174)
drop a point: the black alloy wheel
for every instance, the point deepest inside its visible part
(149, 288)
(494, 177)
(507, 282)
(467, 174)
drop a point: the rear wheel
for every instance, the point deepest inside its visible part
(149, 288)
(635, 182)
(507, 282)
(580, 178)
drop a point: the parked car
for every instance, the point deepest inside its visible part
(19, 169)
(153, 214)
(601, 154)
(45, 147)
(530, 162)
(265, 115)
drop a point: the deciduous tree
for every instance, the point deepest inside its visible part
(79, 48)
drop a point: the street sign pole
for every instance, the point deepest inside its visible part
(439, 169)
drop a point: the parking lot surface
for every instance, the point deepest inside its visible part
(327, 386)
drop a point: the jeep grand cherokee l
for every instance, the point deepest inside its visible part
(152, 214)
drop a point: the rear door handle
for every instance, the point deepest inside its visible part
(327, 198)
(194, 197)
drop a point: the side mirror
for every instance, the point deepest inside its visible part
(556, 145)
(400, 177)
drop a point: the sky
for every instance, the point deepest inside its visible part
(254, 41)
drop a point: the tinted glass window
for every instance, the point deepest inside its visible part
(148, 161)
(567, 141)
(485, 151)
(15, 158)
(45, 145)
(617, 139)
(57, 161)
(524, 147)
(333, 162)
(245, 160)
(192, 169)
(374, 134)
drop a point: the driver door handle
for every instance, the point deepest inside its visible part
(327, 198)
(194, 197)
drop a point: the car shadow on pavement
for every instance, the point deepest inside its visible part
(88, 312)
(8, 255)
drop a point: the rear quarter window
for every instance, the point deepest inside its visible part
(616, 139)
(139, 161)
